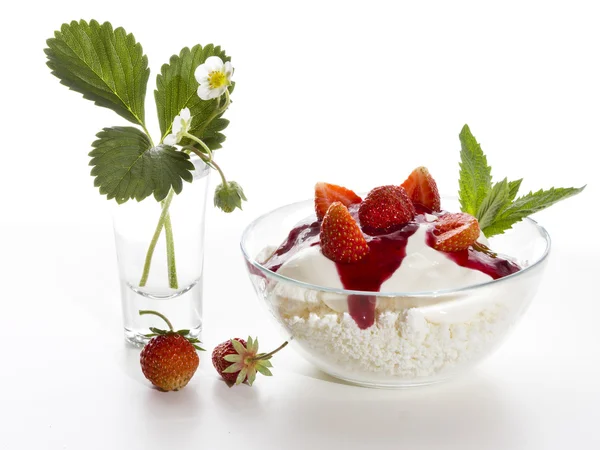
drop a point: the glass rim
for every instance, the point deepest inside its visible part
(435, 293)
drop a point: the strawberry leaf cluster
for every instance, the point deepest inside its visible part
(108, 67)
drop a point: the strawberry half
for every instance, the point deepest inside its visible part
(341, 238)
(326, 194)
(385, 209)
(422, 189)
(454, 232)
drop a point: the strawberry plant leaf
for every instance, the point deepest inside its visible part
(492, 203)
(107, 66)
(176, 88)
(475, 179)
(525, 206)
(127, 166)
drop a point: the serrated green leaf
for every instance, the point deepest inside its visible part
(126, 166)
(234, 368)
(233, 358)
(176, 88)
(525, 206)
(495, 200)
(475, 179)
(513, 189)
(241, 376)
(184, 333)
(108, 67)
(238, 346)
(262, 369)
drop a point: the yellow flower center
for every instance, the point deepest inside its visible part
(217, 79)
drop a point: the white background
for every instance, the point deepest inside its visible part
(351, 93)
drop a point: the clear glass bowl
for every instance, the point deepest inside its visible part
(419, 337)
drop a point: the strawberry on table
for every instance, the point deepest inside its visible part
(341, 238)
(169, 360)
(422, 189)
(385, 209)
(238, 361)
(454, 232)
(326, 194)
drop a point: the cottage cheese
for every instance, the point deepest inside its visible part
(401, 344)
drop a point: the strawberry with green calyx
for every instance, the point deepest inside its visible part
(238, 361)
(169, 360)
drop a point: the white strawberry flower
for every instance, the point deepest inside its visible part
(214, 76)
(180, 128)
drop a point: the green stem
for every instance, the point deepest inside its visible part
(216, 112)
(268, 355)
(172, 268)
(161, 221)
(155, 313)
(148, 134)
(209, 161)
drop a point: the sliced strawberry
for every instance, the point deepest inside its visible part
(341, 238)
(422, 189)
(326, 194)
(454, 232)
(385, 209)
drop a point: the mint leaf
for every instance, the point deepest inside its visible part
(525, 206)
(497, 198)
(513, 189)
(106, 66)
(176, 88)
(475, 175)
(126, 166)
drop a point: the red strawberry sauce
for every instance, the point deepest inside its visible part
(384, 258)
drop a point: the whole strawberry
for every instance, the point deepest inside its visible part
(385, 209)
(238, 361)
(169, 360)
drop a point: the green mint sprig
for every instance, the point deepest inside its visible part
(495, 205)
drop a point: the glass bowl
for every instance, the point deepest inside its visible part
(418, 337)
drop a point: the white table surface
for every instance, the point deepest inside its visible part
(354, 95)
(70, 382)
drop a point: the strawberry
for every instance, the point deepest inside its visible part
(341, 238)
(385, 209)
(238, 361)
(169, 360)
(454, 232)
(326, 194)
(422, 189)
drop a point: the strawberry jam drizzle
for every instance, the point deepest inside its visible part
(385, 256)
